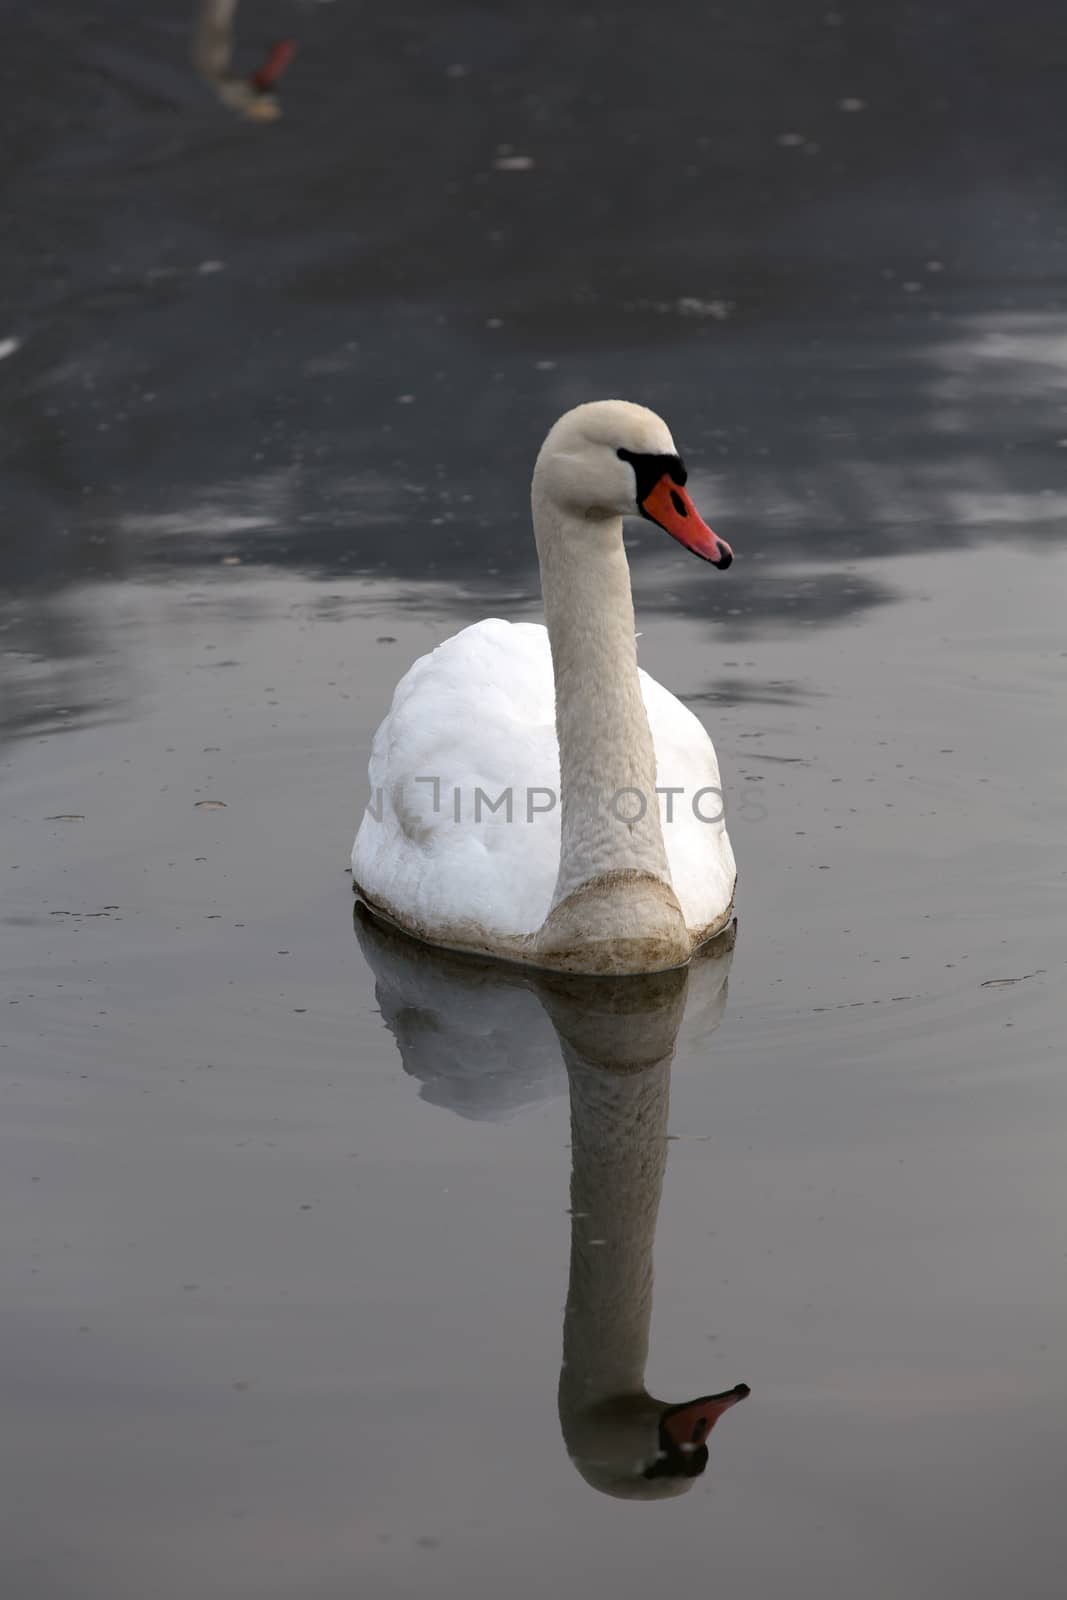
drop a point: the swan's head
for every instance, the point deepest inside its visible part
(614, 459)
(636, 1448)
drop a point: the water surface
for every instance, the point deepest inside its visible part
(288, 1258)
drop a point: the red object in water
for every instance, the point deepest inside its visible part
(279, 58)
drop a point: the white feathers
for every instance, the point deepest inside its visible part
(472, 727)
(468, 840)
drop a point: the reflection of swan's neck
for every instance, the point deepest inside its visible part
(619, 1143)
(605, 743)
(213, 37)
(617, 1037)
(212, 53)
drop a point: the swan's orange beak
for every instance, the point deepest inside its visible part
(688, 1426)
(668, 505)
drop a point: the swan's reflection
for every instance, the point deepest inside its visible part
(253, 95)
(484, 1038)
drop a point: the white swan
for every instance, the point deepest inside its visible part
(616, 878)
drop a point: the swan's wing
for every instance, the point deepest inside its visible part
(470, 722)
(698, 846)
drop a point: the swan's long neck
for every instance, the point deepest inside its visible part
(609, 808)
(619, 1145)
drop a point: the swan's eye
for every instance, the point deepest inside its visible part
(649, 469)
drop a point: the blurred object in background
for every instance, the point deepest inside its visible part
(252, 95)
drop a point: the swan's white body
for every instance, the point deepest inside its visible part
(514, 807)
(479, 713)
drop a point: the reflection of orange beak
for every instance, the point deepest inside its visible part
(668, 505)
(279, 58)
(688, 1425)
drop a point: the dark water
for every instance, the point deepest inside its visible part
(285, 1207)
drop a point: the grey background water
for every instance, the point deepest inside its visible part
(285, 1244)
